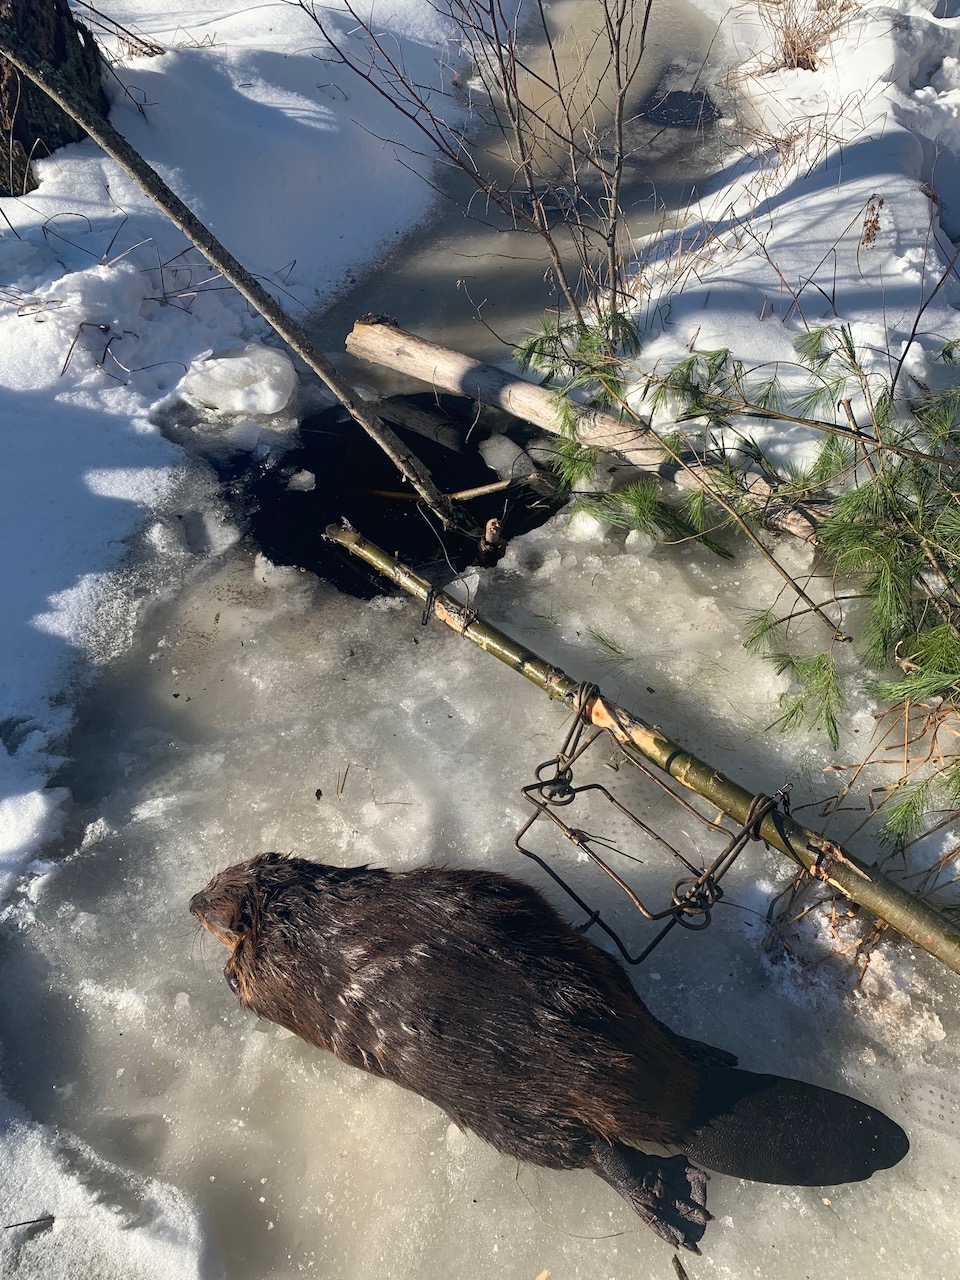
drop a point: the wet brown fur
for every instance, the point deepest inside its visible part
(464, 986)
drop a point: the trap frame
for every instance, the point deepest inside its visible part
(694, 895)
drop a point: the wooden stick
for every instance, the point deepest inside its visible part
(482, 490)
(117, 147)
(824, 859)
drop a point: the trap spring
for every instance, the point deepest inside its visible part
(694, 895)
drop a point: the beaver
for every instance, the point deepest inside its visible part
(470, 989)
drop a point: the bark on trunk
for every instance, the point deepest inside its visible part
(30, 124)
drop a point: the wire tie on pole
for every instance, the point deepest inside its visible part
(428, 606)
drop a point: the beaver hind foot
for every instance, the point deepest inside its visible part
(668, 1193)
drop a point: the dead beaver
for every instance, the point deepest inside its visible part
(469, 989)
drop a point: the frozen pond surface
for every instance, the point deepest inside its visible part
(260, 710)
(257, 709)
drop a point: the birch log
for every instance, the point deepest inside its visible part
(380, 341)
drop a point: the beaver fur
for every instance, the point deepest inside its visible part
(468, 988)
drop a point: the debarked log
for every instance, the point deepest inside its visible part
(823, 859)
(381, 341)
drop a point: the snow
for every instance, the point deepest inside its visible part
(121, 1225)
(239, 705)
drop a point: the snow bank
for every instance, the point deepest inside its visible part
(105, 313)
(832, 212)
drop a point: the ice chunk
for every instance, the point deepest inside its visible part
(22, 819)
(251, 379)
(244, 435)
(302, 482)
(584, 527)
(506, 458)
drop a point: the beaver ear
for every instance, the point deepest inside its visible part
(247, 921)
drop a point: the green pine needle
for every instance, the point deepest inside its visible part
(932, 662)
(816, 347)
(937, 415)
(574, 463)
(893, 526)
(904, 813)
(819, 700)
(760, 630)
(639, 507)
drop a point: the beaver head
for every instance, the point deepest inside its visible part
(231, 908)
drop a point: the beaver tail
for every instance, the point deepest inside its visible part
(770, 1129)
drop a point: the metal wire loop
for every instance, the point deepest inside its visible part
(558, 788)
(694, 900)
(693, 897)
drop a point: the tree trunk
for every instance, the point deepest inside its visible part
(30, 124)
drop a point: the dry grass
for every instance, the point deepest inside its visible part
(798, 30)
(129, 44)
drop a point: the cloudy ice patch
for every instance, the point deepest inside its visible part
(253, 379)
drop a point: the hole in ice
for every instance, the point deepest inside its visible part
(338, 471)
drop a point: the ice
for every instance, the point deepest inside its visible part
(253, 379)
(584, 527)
(243, 705)
(273, 740)
(506, 458)
(302, 482)
(244, 434)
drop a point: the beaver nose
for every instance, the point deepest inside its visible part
(196, 904)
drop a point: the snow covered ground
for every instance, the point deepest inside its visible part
(166, 1133)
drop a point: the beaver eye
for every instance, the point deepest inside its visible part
(231, 977)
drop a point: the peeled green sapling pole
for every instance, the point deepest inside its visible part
(824, 859)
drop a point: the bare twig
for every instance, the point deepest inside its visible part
(558, 125)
